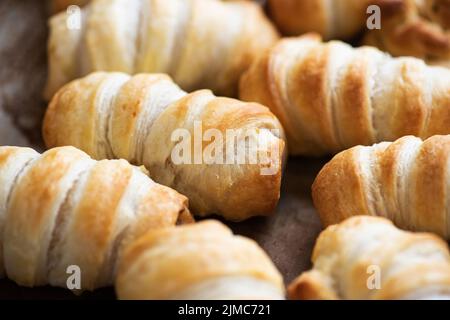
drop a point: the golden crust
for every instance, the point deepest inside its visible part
(12, 161)
(79, 101)
(331, 19)
(173, 37)
(128, 105)
(29, 223)
(311, 286)
(405, 181)
(330, 96)
(95, 216)
(136, 120)
(295, 17)
(55, 205)
(161, 264)
(347, 256)
(343, 170)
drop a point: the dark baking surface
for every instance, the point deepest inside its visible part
(288, 236)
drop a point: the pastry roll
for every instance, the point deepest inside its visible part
(225, 155)
(200, 43)
(197, 262)
(61, 209)
(330, 96)
(406, 181)
(367, 258)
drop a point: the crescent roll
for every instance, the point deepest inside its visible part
(234, 149)
(330, 96)
(197, 262)
(61, 209)
(200, 43)
(367, 258)
(407, 181)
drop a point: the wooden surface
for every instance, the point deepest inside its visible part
(288, 236)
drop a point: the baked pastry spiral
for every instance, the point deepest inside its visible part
(197, 262)
(114, 115)
(367, 258)
(406, 181)
(61, 208)
(200, 43)
(330, 96)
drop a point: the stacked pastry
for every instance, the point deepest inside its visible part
(55, 205)
(114, 115)
(328, 96)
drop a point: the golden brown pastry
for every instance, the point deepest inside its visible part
(342, 19)
(200, 43)
(418, 28)
(114, 115)
(63, 209)
(198, 262)
(330, 96)
(367, 258)
(406, 181)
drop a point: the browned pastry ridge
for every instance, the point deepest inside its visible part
(201, 261)
(367, 258)
(407, 181)
(62, 208)
(330, 96)
(114, 115)
(200, 43)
